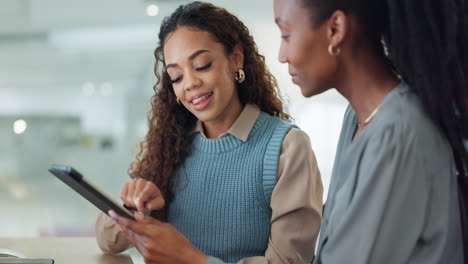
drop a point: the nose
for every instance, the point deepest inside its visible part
(282, 55)
(191, 81)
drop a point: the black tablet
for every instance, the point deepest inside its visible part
(77, 182)
(25, 261)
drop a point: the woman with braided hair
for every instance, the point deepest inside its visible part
(403, 67)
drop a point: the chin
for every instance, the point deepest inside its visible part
(307, 92)
(204, 116)
(311, 90)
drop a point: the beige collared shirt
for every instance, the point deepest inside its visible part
(296, 200)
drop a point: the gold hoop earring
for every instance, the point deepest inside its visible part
(333, 52)
(239, 76)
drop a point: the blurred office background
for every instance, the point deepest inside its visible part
(75, 84)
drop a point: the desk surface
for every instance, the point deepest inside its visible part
(64, 250)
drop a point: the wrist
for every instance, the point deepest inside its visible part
(195, 257)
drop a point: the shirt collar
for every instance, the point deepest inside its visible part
(241, 127)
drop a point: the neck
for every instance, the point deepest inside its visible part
(366, 83)
(214, 128)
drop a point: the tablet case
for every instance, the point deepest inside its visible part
(77, 182)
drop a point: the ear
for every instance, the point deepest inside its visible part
(237, 56)
(338, 28)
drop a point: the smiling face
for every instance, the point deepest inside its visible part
(202, 74)
(304, 47)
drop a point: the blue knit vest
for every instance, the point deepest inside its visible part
(223, 191)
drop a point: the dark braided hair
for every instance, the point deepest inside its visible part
(427, 43)
(167, 144)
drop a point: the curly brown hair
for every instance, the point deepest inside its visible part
(168, 141)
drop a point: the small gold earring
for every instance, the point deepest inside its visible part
(239, 76)
(332, 51)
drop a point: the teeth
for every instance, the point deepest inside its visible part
(196, 101)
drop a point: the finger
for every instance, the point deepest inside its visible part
(141, 194)
(123, 194)
(154, 223)
(149, 191)
(139, 216)
(141, 228)
(152, 197)
(131, 189)
(132, 236)
(137, 240)
(155, 204)
(142, 218)
(129, 235)
(122, 221)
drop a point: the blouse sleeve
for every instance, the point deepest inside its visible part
(109, 236)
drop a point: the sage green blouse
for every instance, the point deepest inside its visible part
(393, 192)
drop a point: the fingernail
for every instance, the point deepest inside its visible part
(140, 215)
(112, 214)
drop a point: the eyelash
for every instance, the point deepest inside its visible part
(206, 67)
(285, 37)
(176, 80)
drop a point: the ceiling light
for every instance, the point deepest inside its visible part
(152, 10)
(19, 126)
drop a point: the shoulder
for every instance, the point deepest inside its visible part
(273, 126)
(274, 119)
(404, 115)
(297, 145)
(296, 138)
(293, 139)
(405, 128)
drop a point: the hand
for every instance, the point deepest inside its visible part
(143, 195)
(158, 242)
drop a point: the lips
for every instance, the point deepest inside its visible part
(197, 99)
(294, 78)
(201, 101)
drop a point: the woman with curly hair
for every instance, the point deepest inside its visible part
(222, 172)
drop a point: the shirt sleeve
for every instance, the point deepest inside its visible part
(296, 204)
(385, 210)
(109, 236)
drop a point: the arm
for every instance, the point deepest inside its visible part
(109, 236)
(296, 202)
(137, 194)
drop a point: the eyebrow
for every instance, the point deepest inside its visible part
(192, 57)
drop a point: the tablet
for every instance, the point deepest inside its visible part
(77, 182)
(25, 261)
